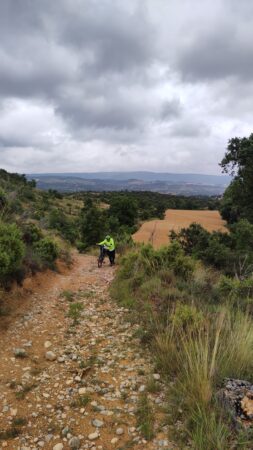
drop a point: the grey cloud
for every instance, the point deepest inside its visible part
(215, 58)
(92, 48)
(135, 76)
(222, 50)
(189, 128)
(14, 142)
(37, 78)
(170, 109)
(116, 39)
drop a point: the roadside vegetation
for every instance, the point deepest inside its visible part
(193, 300)
(196, 334)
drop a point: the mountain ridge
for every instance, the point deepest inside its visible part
(166, 183)
(139, 175)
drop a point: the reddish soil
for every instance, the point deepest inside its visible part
(100, 353)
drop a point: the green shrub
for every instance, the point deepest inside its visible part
(32, 261)
(129, 264)
(27, 193)
(59, 221)
(3, 199)
(15, 206)
(47, 250)
(151, 288)
(187, 317)
(91, 224)
(124, 209)
(75, 310)
(183, 267)
(31, 233)
(237, 292)
(81, 246)
(11, 250)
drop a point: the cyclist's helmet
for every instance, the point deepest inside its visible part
(107, 237)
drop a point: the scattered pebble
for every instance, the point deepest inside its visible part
(119, 431)
(50, 356)
(93, 436)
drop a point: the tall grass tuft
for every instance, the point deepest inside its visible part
(200, 360)
(208, 431)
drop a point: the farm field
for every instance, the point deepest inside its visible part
(156, 231)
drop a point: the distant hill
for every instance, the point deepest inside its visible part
(174, 183)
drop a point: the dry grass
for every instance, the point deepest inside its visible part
(199, 361)
(156, 232)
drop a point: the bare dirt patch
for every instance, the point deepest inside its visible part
(156, 232)
(69, 372)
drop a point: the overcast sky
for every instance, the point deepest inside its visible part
(91, 85)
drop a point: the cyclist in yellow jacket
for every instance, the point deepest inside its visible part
(109, 247)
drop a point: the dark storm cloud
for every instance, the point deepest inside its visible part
(219, 45)
(115, 40)
(94, 48)
(87, 77)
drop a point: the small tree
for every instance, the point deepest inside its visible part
(125, 210)
(91, 224)
(238, 162)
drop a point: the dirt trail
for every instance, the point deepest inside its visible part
(86, 394)
(156, 232)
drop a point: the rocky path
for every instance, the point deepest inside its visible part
(73, 373)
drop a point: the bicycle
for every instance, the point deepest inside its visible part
(101, 256)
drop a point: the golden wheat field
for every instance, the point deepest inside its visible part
(156, 232)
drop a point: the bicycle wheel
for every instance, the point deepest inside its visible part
(100, 262)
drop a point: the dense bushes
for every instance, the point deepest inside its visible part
(31, 233)
(153, 204)
(24, 250)
(190, 319)
(124, 210)
(231, 252)
(12, 250)
(91, 224)
(25, 247)
(95, 223)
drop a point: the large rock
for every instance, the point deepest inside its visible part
(237, 399)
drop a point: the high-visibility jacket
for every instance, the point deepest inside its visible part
(109, 244)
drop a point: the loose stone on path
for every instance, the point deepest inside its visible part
(81, 385)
